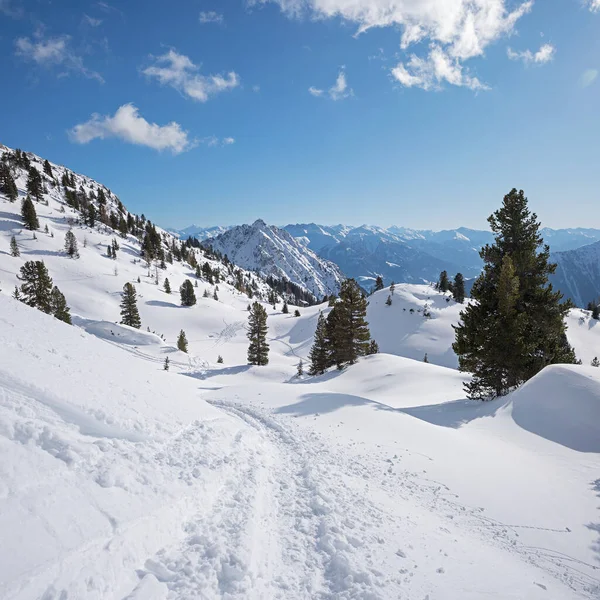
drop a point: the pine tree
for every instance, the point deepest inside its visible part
(34, 183)
(388, 302)
(458, 288)
(350, 332)
(129, 310)
(14, 247)
(58, 305)
(392, 288)
(215, 295)
(48, 169)
(30, 220)
(182, 343)
(516, 326)
(71, 245)
(373, 347)
(296, 313)
(379, 283)
(205, 293)
(188, 297)
(332, 300)
(300, 369)
(285, 310)
(36, 289)
(595, 362)
(425, 358)
(443, 284)
(319, 353)
(595, 312)
(166, 364)
(220, 359)
(167, 286)
(258, 350)
(7, 183)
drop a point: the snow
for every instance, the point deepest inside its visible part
(119, 480)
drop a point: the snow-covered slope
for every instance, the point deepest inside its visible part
(273, 251)
(578, 273)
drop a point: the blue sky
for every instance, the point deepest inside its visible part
(356, 111)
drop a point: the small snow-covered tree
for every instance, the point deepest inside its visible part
(167, 286)
(14, 247)
(129, 310)
(30, 220)
(300, 369)
(258, 350)
(166, 364)
(59, 306)
(388, 302)
(182, 343)
(188, 297)
(595, 362)
(71, 245)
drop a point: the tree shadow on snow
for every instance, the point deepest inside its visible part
(235, 370)
(596, 526)
(163, 304)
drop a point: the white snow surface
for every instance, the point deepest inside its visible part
(119, 480)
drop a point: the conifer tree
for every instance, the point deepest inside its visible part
(425, 358)
(300, 369)
(34, 183)
(296, 313)
(285, 310)
(129, 310)
(71, 245)
(182, 343)
(350, 332)
(215, 295)
(30, 220)
(59, 306)
(458, 288)
(220, 359)
(332, 300)
(388, 302)
(443, 284)
(166, 364)
(595, 362)
(188, 297)
(319, 353)
(48, 168)
(7, 183)
(379, 283)
(392, 288)
(205, 293)
(373, 347)
(14, 247)
(36, 289)
(258, 350)
(167, 286)
(516, 326)
(595, 312)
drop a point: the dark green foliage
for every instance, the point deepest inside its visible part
(188, 297)
(379, 283)
(285, 310)
(7, 183)
(71, 245)
(14, 247)
(59, 306)
(34, 183)
(425, 358)
(516, 326)
(129, 310)
(166, 364)
(220, 359)
(48, 169)
(167, 286)
(258, 350)
(30, 220)
(458, 288)
(300, 369)
(319, 353)
(215, 295)
(332, 300)
(373, 347)
(182, 343)
(36, 289)
(595, 312)
(296, 313)
(443, 284)
(388, 302)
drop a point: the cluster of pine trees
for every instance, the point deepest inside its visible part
(456, 287)
(344, 336)
(515, 326)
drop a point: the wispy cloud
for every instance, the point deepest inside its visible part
(338, 91)
(11, 8)
(128, 125)
(432, 72)
(544, 55)
(450, 33)
(179, 72)
(594, 5)
(211, 17)
(213, 141)
(53, 52)
(588, 77)
(91, 21)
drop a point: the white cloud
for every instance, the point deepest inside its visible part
(594, 5)
(91, 21)
(228, 141)
(211, 17)
(11, 9)
(457, 29)
(180, 72)
(213, 141)
(431, 72)
(588, 77)
(544, 55)
(338, 91)
(53, 52)
(127, 124)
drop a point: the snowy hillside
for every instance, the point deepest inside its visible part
(274, 252)
(578, 274)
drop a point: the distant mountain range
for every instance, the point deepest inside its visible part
(409, 255)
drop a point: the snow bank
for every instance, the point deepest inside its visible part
(562, 404)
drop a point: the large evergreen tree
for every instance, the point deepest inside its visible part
(71, 245)
(36, 289)
(48, 169)
(129, 310)
(34, 183)
(319, 353)
(30, 220)
(379, 283)
(258, 350)
(458, 288)
(516, 326)
(7, 183)
(58, 305)
(188, 297)
(443, 284)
